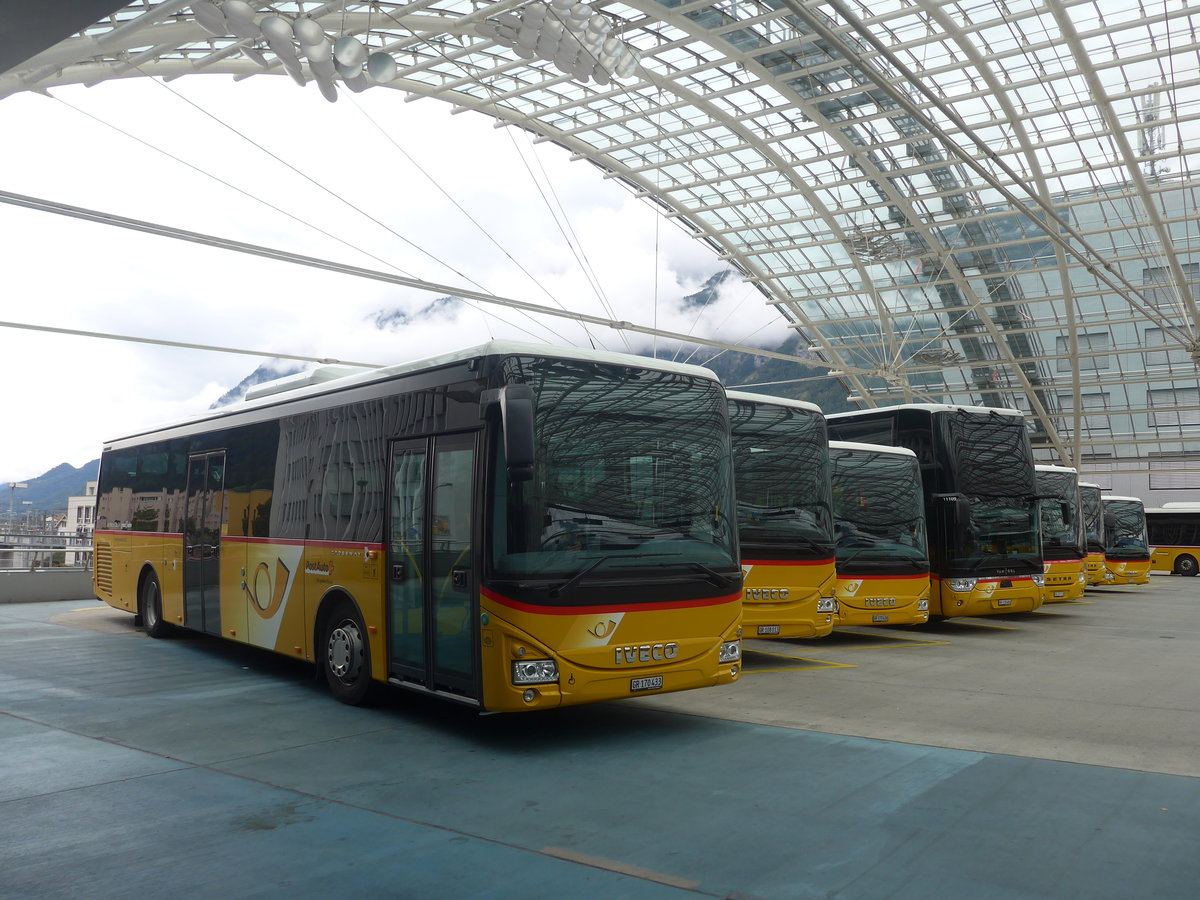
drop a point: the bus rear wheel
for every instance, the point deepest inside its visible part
(1186, 565)
(346, 656)
(150, 608)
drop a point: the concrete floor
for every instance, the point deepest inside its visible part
(1045, 755)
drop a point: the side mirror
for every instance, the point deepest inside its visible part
(516, 423)
(1068, 516)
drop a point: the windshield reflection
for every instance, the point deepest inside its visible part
(1125, 528)
(878, 508)
(781, 465)
(633, 473)
(1060, 532)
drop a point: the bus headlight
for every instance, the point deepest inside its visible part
(826, 605)
(962, 585)
(1082, 577)
(923, 605)
(1039, 580)
(731, 651)
(534, 671)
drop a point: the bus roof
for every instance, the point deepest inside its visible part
(503, 348)
(933, 407)
(1122, 499)
(307, 384)
(871, 448)
(1176, 507)
(749, 397)
(1090, 484)
(1046, 467)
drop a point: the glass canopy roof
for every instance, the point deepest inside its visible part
(982, 202)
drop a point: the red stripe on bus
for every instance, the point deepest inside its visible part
(584, 610)
(985, 580)
(884, 577)
(788, 562)
(238, 539)
(297, 542)
(157, 534)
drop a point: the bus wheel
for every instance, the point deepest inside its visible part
(150, 608)
(1186, 565)
(346, 656)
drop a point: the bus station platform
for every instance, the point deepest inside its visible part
(1051, 754)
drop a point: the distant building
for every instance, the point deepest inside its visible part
(77, 525)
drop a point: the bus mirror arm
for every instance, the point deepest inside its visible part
(516, 421)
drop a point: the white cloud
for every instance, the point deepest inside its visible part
(67, 394)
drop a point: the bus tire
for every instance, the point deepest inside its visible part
(346, 655)
(150, 608)
(1186, 565)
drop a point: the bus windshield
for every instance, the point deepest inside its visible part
(992, 468)
(1058, 492)
(1093, 516)
(782, 475)
(878, 507)
(1125, 526)
(632, 473)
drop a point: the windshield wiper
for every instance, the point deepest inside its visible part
(811, 543)
(578, 576)
(712, 575)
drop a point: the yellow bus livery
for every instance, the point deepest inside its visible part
(785, 524)
(512, 527)
(882, 547)
(1063, 539)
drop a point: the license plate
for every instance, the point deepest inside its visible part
(1007, 601)
(879, 618)
(649, 683)
(1060, 594)
(768, 629)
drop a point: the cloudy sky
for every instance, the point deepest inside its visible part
(371, 181)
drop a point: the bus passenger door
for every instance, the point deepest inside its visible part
(432, 590)
(205, 514)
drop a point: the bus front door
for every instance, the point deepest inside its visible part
(205, 515)
(432, 591)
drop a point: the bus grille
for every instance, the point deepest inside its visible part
(102, 562)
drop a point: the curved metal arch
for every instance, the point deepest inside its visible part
(1187, 304)
(1034, 166)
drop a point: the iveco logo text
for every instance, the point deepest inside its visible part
(766, 593)
(880, 601)
(647, 653)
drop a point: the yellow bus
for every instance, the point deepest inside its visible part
(785, 523)
(879, 523)
(1090, 495)
(1063, 539)
(513, 527)
(981, 510)
(1126, 552)
(1174, 535)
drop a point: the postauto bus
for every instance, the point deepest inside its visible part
(1126, 551)
(785, 523)
(980, 500)
(512, 527)
(1174, 535)
(879, 522)
(1063, 539)
(1091, 496)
